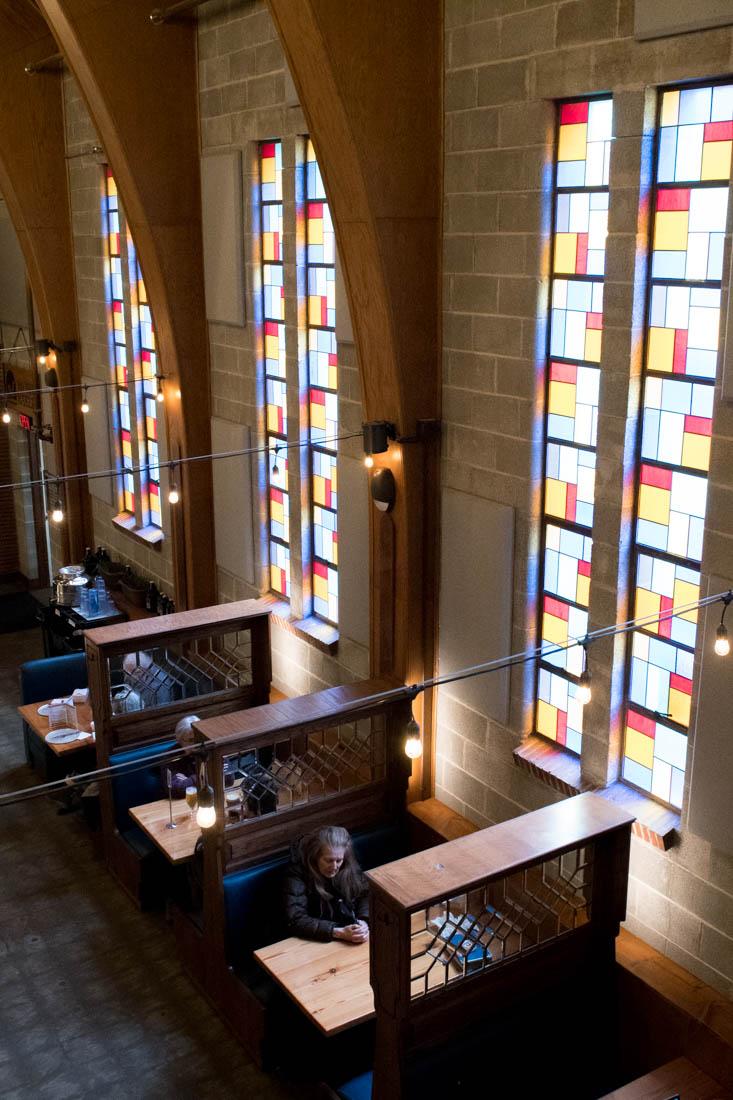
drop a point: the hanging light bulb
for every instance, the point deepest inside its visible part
(84, 402)
(722, 644)
(159, 394)
(368, 461)
(173, 494)
(583, 692)
(6, 415)
(57, 512)
(206, 812)
(275, 467)
(413, 741)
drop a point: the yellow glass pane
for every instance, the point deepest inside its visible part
(555, 497)
(314, 310)
(716, 157)
(647, 603)
(315, 231)
(593, 337)
(562, 398)
(670, 230)
(639, 747)
(661, 349)
(679, 707)
(268, 170)
(268, 246)
(319, 489)
(685, 593)
(554, 629)
(320, 587)
(273, 420)
(670, 108)
(275, 578)
(272, 347)
(566, 246)
(696, 451)
(111, 186)
(654, 504)
(335, 553)
(572, 143)
(277, 512)
(318, 416)
(547, 719)
(582, 595)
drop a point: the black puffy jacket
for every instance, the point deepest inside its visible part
(309, 915)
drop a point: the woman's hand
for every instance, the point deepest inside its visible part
(352, 933)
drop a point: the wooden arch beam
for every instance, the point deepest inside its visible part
(33, 181)
(369, 76)
(140, 85)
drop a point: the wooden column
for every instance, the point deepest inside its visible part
(369, 78)
(33, 181)
(140, 85)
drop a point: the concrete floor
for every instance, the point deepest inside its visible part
(93, 1002)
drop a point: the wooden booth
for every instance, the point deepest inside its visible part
(144, 676)
(334, 757)
(468, 932)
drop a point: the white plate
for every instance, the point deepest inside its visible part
(61, 737)
(62, 703)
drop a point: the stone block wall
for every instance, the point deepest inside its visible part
(506, 62)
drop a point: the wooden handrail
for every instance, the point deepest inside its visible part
(457, 865)
(120, 636)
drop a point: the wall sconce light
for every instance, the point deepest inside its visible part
(45, 350)
(413, 741)
(722, 643)
(383, 489)
(377, 434)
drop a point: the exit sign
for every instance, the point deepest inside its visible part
(25, 421)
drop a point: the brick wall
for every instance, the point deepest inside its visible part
(505, 62)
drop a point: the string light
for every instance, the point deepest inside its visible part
(173, 494)
(413, 741)
(57, 512)
(722, 643)
(275, 467)
(85, 402)
(206, 812)
(6, 415)
(368, 461)
(583, 692)
(159, 393)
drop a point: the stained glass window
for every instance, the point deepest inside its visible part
(322, 390)
(273, 340)
(132, 335)
(118, 344)
(580, 202)
(689, 210)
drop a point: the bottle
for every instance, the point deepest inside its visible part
(90, 562)
(151, 597)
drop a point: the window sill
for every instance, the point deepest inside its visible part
(322, 635)
(148, 536)
(550, 763)
(655, 824)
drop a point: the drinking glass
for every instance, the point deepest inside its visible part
(191, 798)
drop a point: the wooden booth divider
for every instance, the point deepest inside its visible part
(144, 676)
(279, 771)
(470, 927)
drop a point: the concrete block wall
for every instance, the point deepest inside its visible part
(246, 96)
(506, 62)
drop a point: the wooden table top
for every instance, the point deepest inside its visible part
(328, 981)
(178, 844)
(39, 725)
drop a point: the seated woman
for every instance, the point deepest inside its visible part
(325, 895)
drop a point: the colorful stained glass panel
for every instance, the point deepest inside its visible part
(560, 624)
(570, 484)
(584, 143)
(572, 403)
(274, 337)
(567, 564)
(661, 678)
(671, 511)
(689, 233)
(661, 586)
(576, 320)
(325, 479)
(325, 591)
(271, 170)
(581, 227)
(322, 358)
(677, 423)
(654, 757)
(559, 714)
(696, 134)
(280, 568)
(683, 330)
